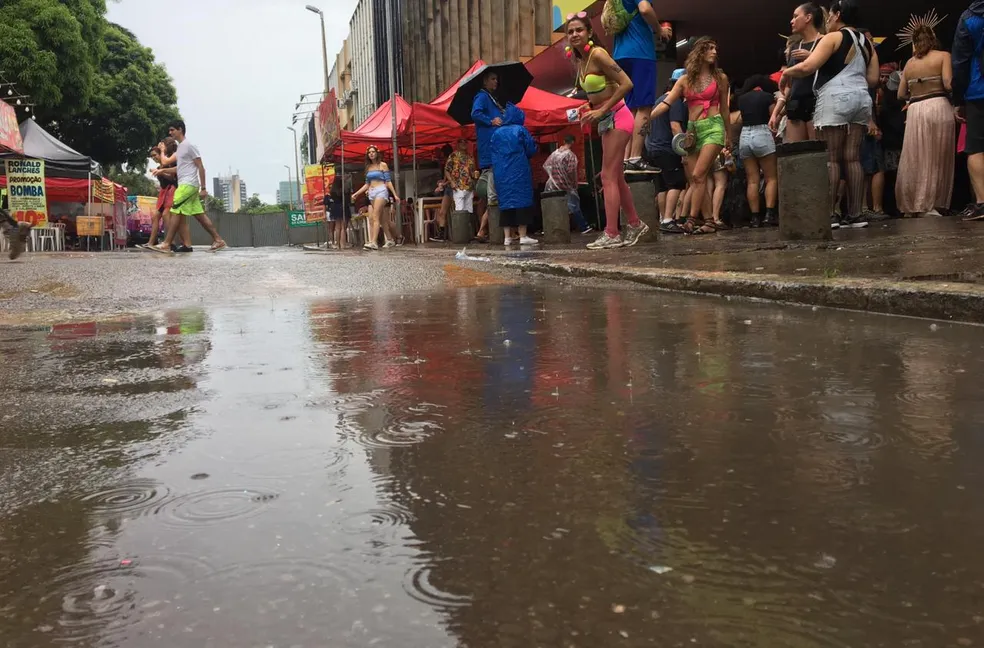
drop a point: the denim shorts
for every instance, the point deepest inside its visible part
(842, 105)
(756, 142)
(377, 193)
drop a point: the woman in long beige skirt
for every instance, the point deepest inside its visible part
(925, 180)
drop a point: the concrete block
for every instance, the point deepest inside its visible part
(461, 227)
(496, 235)
(556, 218)
(804, 192)
(644, 199)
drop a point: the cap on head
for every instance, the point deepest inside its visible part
(677, 74)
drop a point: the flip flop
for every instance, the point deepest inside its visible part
(159, 250)
(218, 246)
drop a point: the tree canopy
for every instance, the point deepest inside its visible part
(94, 85)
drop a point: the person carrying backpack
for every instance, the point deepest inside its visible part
(632, 23)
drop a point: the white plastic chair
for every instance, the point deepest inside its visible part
(46, 236)
(59, 237)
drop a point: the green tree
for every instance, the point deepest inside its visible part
(133, 101)
(214, 204)
(51, 49)
(93, 84)
(136, 183)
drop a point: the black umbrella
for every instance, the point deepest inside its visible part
(514, 79)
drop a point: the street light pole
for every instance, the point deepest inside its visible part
(296, 165)
(324, 42)
(391, 60)
(290, 183)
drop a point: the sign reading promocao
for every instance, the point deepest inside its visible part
(25, 189)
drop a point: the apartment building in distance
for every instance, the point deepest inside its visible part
(231, 190)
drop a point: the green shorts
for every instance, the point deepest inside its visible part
(187, 201)
(709, 130)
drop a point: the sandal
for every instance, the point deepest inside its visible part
(721, 225)
(706, 228)
(221, 245)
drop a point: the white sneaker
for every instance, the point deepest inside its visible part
(509, 241)
(605, 242)
(370, 246)
(389, 244)
(528, 240)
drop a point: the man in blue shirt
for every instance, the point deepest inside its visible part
(968, 97)
(635, 52)
(672, 179)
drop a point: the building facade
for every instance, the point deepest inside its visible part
(285, 194)
(231, 190)
(444, 38)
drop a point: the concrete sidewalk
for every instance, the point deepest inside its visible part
(923, 267)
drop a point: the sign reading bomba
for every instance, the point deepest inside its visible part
(25, 188)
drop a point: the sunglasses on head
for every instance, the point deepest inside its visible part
(580, 14)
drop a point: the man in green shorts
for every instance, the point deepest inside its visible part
(188, 196)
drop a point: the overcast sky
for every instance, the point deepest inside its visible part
(239, 67)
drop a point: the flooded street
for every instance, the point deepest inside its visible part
(503, 466)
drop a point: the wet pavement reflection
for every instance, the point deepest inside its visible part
(501, 466)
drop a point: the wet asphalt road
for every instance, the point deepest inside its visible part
(311, 459)
(39, 289)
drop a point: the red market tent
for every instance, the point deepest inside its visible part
(377, 130)
(71, 190)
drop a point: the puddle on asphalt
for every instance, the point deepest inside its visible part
(495, 466)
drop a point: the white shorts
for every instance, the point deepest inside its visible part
(464, 200)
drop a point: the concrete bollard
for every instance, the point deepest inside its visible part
(644, 198)
(496, 235)
(556, 218)
(461, 227)
(804, 192)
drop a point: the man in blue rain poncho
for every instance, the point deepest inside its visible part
(512, 146)
(487, 113)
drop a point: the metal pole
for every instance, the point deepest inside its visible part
(324, 50)
(290, 188)
(297, 166)
(594, 188)
(391, 60)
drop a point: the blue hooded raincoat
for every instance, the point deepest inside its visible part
(512, 147)
(484, 110)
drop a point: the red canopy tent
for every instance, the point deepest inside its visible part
(377, 130)
(71, 190)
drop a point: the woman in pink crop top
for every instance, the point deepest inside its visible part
(705, 89)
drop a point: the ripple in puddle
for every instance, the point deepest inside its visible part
(205, 508)
(129, 498)
(417, 583)
(101, 597)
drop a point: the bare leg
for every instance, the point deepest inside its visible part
(878, 192)
(771, 173)
(720, 186)
(975, 168)
(672, 198)
(701, 163)
(752, 189)
(207, 225)
(638, 142)
(661, 205)
(796, 131)
(375, 216)
(184, 230)
(155, 227)
(614, 143)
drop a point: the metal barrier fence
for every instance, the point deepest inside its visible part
(256, 230)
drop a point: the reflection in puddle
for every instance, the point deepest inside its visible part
(494, 466)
